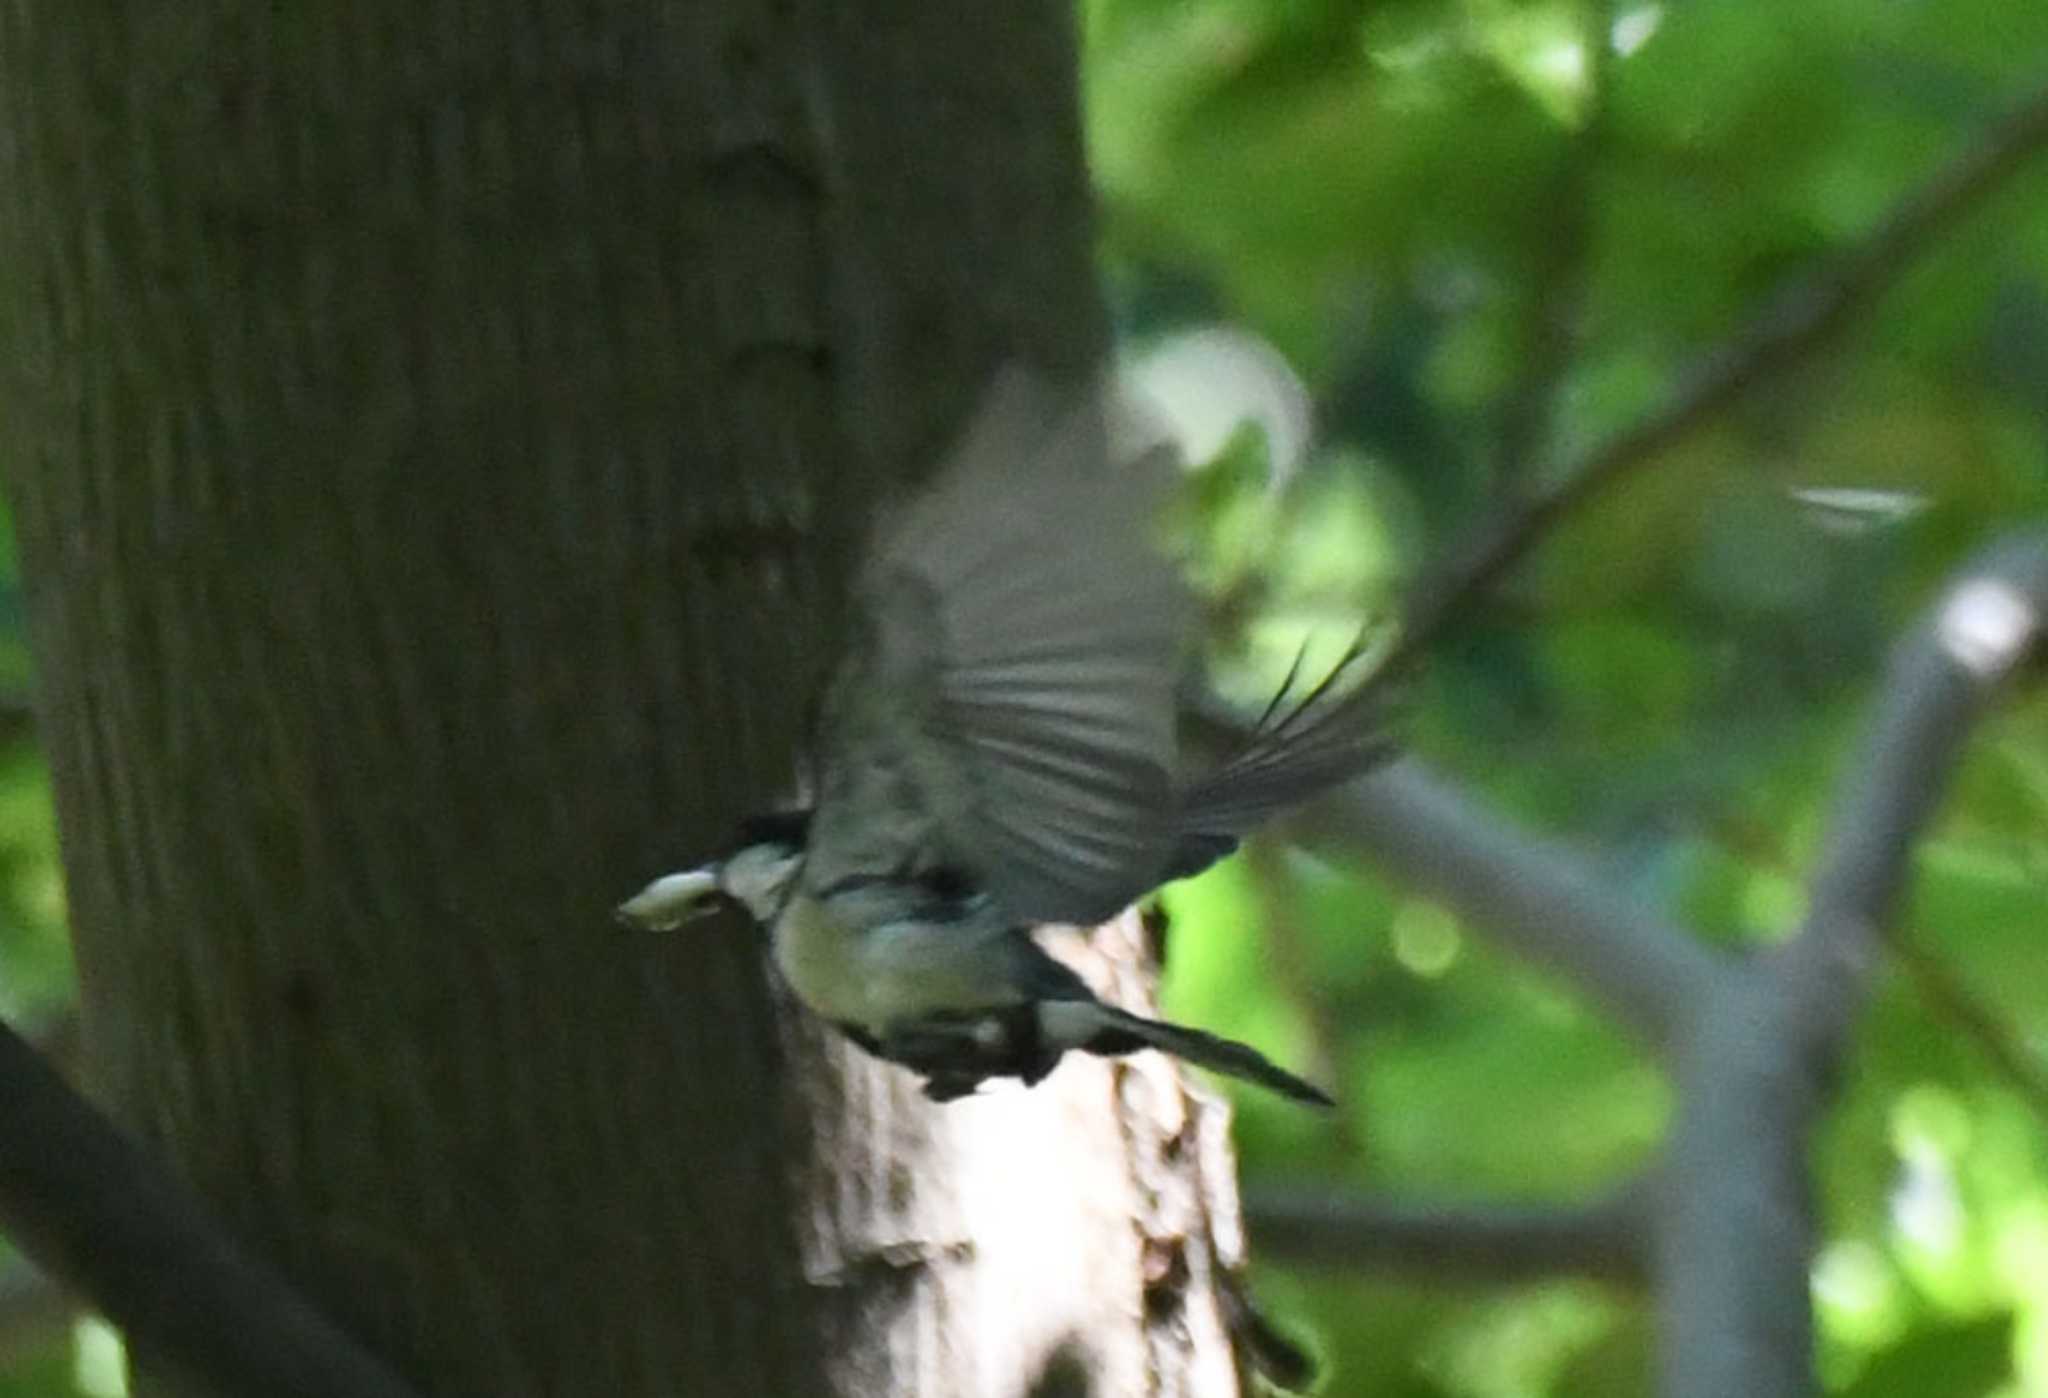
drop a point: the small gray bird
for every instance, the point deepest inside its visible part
(1002, 748)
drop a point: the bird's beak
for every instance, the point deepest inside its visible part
(672, 900)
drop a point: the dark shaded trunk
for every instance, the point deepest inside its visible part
(436, 432)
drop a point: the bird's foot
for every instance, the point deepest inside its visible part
(956, 1053)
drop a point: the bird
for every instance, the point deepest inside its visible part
(1004, 747)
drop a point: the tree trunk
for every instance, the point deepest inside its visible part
(437, 432)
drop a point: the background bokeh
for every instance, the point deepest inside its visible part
(1488, 235)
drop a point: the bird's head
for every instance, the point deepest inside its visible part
(758, 876)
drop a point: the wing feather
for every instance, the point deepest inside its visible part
(1046, 629)
(1303, 744)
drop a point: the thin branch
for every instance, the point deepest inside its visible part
(1492, 1242)
(104, 1220)
(1940, 681)
(1790, 326)
(1532, 896)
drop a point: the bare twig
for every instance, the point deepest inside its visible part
(105, 1221)
(1940, 680)
(1495, 1242)
(1792, 324)
(1534, 897)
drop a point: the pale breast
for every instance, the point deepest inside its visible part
(820, 961)
(854, 967)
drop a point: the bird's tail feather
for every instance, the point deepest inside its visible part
(1105, 1029)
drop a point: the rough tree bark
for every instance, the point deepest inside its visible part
(436, 431)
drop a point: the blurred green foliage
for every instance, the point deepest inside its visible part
(1443, 211)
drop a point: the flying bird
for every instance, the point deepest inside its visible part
(1004, 747)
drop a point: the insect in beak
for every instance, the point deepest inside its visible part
(673, 900)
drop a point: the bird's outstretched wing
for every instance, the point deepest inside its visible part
(1021, 607)
(1308, 740)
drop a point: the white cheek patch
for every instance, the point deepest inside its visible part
(1987, 627)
